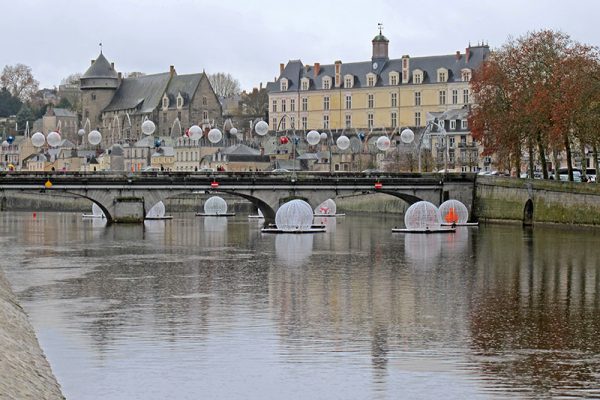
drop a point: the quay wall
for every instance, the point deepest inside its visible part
(24, 371)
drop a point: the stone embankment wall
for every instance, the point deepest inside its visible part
(505, 199)
(24, 370)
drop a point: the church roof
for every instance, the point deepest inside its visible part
(143, 93)
(101, 68)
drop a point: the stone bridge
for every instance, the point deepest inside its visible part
(126, 197)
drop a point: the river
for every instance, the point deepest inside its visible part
(212, 308)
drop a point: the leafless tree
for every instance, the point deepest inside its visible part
(19, 81)
(224, 85)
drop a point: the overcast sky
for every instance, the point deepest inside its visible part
(249, 39)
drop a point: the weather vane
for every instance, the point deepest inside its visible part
(100, 44)
(380, 26)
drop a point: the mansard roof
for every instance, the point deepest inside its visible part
(143, 93)
(101, 68)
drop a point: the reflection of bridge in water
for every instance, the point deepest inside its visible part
(127, 197)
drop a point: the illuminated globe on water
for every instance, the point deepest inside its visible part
(94, 137)
(215, 135)
(453, 211)
(327, 207)
(295, 215)
(313, 137)
(38, 139)
(343, 142)
(422, 215)
(53, 139)
(215, 205)
(148, 127)
(261, 128)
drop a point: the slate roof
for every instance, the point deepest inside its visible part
(63, 112)
(101, 68)
(240, 149)
(143, 93)
(184, 84)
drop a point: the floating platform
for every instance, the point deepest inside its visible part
(159, 218)
(277, 230)
(426, 231)
(465, 224)
(256, 216)
(329, 215)
(215, 215)
(92, 216)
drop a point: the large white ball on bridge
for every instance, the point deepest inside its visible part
(422, 215)
(148, 127)
(295, 215)
(261, 128)
(407, 136)
(53, 139)
(215, 205)
(215, 135)
(383, 143)
(323, 136)
(313, 137)
(81, 132)
(453, 211)
(38, 139)
(343, 142)
(233, 131)
(94, 137)
(5, 144)
(195, 132)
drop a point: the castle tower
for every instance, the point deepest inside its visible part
(98, 86)
(380, 47)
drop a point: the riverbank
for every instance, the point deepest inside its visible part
(24, 371)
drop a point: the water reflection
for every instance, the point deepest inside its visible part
(293, 249)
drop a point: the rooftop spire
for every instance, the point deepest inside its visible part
(100, 44)
(379, 25)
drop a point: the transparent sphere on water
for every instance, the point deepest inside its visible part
(313, 137)
(148, 127)
(53, 139)
(215, 205)
(94, 137)
(261, 128)
(295, 215)
(422, 215)
(453, 211)
(215, 135)
(383, 143)
(327, 207)
(195, 132)
(343, 142)
(38, 139)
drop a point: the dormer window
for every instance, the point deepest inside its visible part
(165, 102)
(442, 75)
(417, 76)
(370, 79)
(284, 85)
(179, 101)
(304, 84)
(326, 82)
(394, 78)
(465, 75)
(348, 81)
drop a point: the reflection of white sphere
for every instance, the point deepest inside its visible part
(295, 215)
(215, 135)
(343, 142)
(53, 139)
(261, 128)
(327, 207)
(407, 136)
(38, 139)
(148, 127)
(323, 136)
(81, 132)
(215, 205)
(383, 143)
(313, 137)
(195, 132)
(94, 137)
(233, 131)
(454, 211)
(293, 250)
(422, 215)
(5, 144)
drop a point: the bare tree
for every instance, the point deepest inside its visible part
(224, 85)
(19, 81)
(255, 103)
(134, 74)
(72, 79)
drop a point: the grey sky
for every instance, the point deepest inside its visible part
(250, 38)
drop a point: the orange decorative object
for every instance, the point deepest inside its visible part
(214, 184)
(48, 184)
(378, 185)
(451, 217)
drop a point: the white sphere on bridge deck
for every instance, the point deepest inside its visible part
(38, 139)
(94, 137)
(327, 207)
(215, 135)
(323, 136)
(453, 211)
(261, 128)
(343, 142)
(53, 139)
(5, 144)
(383, 143)
(422, 215)
(215, 205)
(313, 137)
(295, 215)
(233, 131)
(195, 132)
(148, 127)
(81, 132)
(407, 136)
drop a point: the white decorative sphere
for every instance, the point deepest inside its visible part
(233, 131)
(295, 215)
(383, 143)
(94, 137)
(215, 135)
(323, 136)
(195, 132)
(422, 215)
(215, 205)
(38, 139)
(453, 211)
(5, 144)
(53, 139)
(343, 142)
(327, 207)
(261, 128)
(313, 137)
(148, 127)
(407, 136)
(81, 132)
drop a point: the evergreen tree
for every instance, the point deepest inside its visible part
(9, 105)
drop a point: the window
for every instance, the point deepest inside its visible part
(370, 80)
(417, 77)
(348, 121)
(325, 121)
(326, 103)
(284, 85)
(417, 98)
(393, 79)
(370, 120)
(304, 123)
(348, 81)
(205, 115)
(282, 124)
(304, 84)
(292, 123)
(466, 96)
(283, 105)
(179, 115)
(417, 118)
(393, 119)
(348, 102)
(442, 75)
(326, 83)
(304, 104)
(442, 97)
(466, 75)
(165, 102)
(464, 124)
(452, 124)
(179, 101)
(274, 106)
(93, 96)
(451, 141)
(274, 123)
(394, 99)
(455, 96)
(370, 100)
(292, 104)
(204, 101)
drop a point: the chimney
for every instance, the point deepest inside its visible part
(260, 86)
(112, 65)
(119, 76)
(92, 63)
(281, 67)
(172, 70)
(467, 53)
(457, 54)
(317, 69)
(338, 73)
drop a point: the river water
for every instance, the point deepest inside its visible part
(211, 308)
